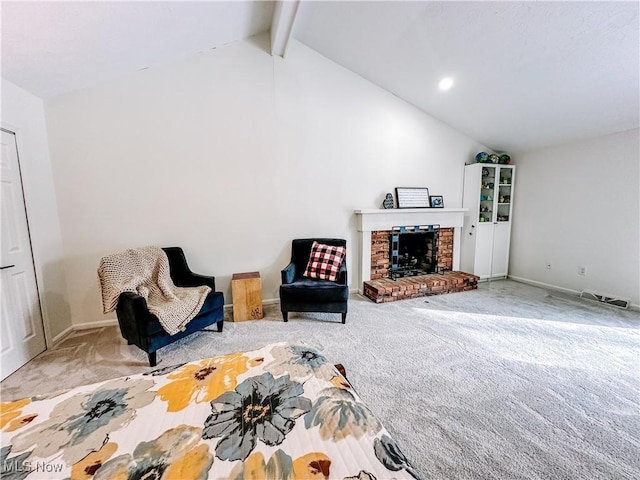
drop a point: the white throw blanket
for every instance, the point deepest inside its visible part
(145, 271)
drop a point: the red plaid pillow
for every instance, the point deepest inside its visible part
(324, 261)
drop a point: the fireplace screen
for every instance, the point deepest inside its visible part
(414, 251)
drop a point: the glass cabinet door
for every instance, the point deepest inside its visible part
(488, 188)
(503, 194)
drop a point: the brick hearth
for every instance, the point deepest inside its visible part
(387, 290)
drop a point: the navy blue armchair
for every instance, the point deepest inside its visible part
(141, 328)
(303, 294)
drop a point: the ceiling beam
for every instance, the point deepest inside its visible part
(284, 16)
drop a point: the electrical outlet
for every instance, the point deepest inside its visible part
(582, 270)
(548, 266)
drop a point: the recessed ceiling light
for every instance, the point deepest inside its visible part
(446, 83)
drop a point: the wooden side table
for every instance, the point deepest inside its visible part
(246, 289)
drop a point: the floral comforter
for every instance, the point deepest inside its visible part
(280, 412)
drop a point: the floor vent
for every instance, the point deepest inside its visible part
(598, 297)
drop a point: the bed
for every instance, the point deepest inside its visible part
(279, 412)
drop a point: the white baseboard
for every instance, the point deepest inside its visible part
(265, 301)
(97, 324)
(270, 301)
(61, 336)
(113, 321)
(543, 285)
(557, 288)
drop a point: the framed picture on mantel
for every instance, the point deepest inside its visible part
(412, 197)
(436, 201)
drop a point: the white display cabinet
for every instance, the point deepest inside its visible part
(486, 234)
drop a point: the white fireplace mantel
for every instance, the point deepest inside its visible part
(370, 220)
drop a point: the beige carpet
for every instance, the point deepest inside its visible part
(506, 382)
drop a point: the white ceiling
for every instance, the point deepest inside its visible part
(53, 47)
(527, 74)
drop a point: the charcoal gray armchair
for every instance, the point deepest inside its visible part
(299, 293)
(143, 329)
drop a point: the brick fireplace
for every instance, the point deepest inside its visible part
(375, 227)
(380, 252)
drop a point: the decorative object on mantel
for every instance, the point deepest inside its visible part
(387, 203)
(436, 201)
(412, 197)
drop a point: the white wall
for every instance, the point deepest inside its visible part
(231, 154)
(23, 114)
(578, 204)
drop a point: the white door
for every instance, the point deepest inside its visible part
(500, 260)
(484, 248)
(22, 334)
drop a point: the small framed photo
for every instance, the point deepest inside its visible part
(436, 201)
(412, 197)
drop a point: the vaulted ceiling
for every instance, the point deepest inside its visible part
(525, 74)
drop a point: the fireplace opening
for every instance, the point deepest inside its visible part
(414, 251)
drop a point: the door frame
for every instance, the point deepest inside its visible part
(17, 132)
